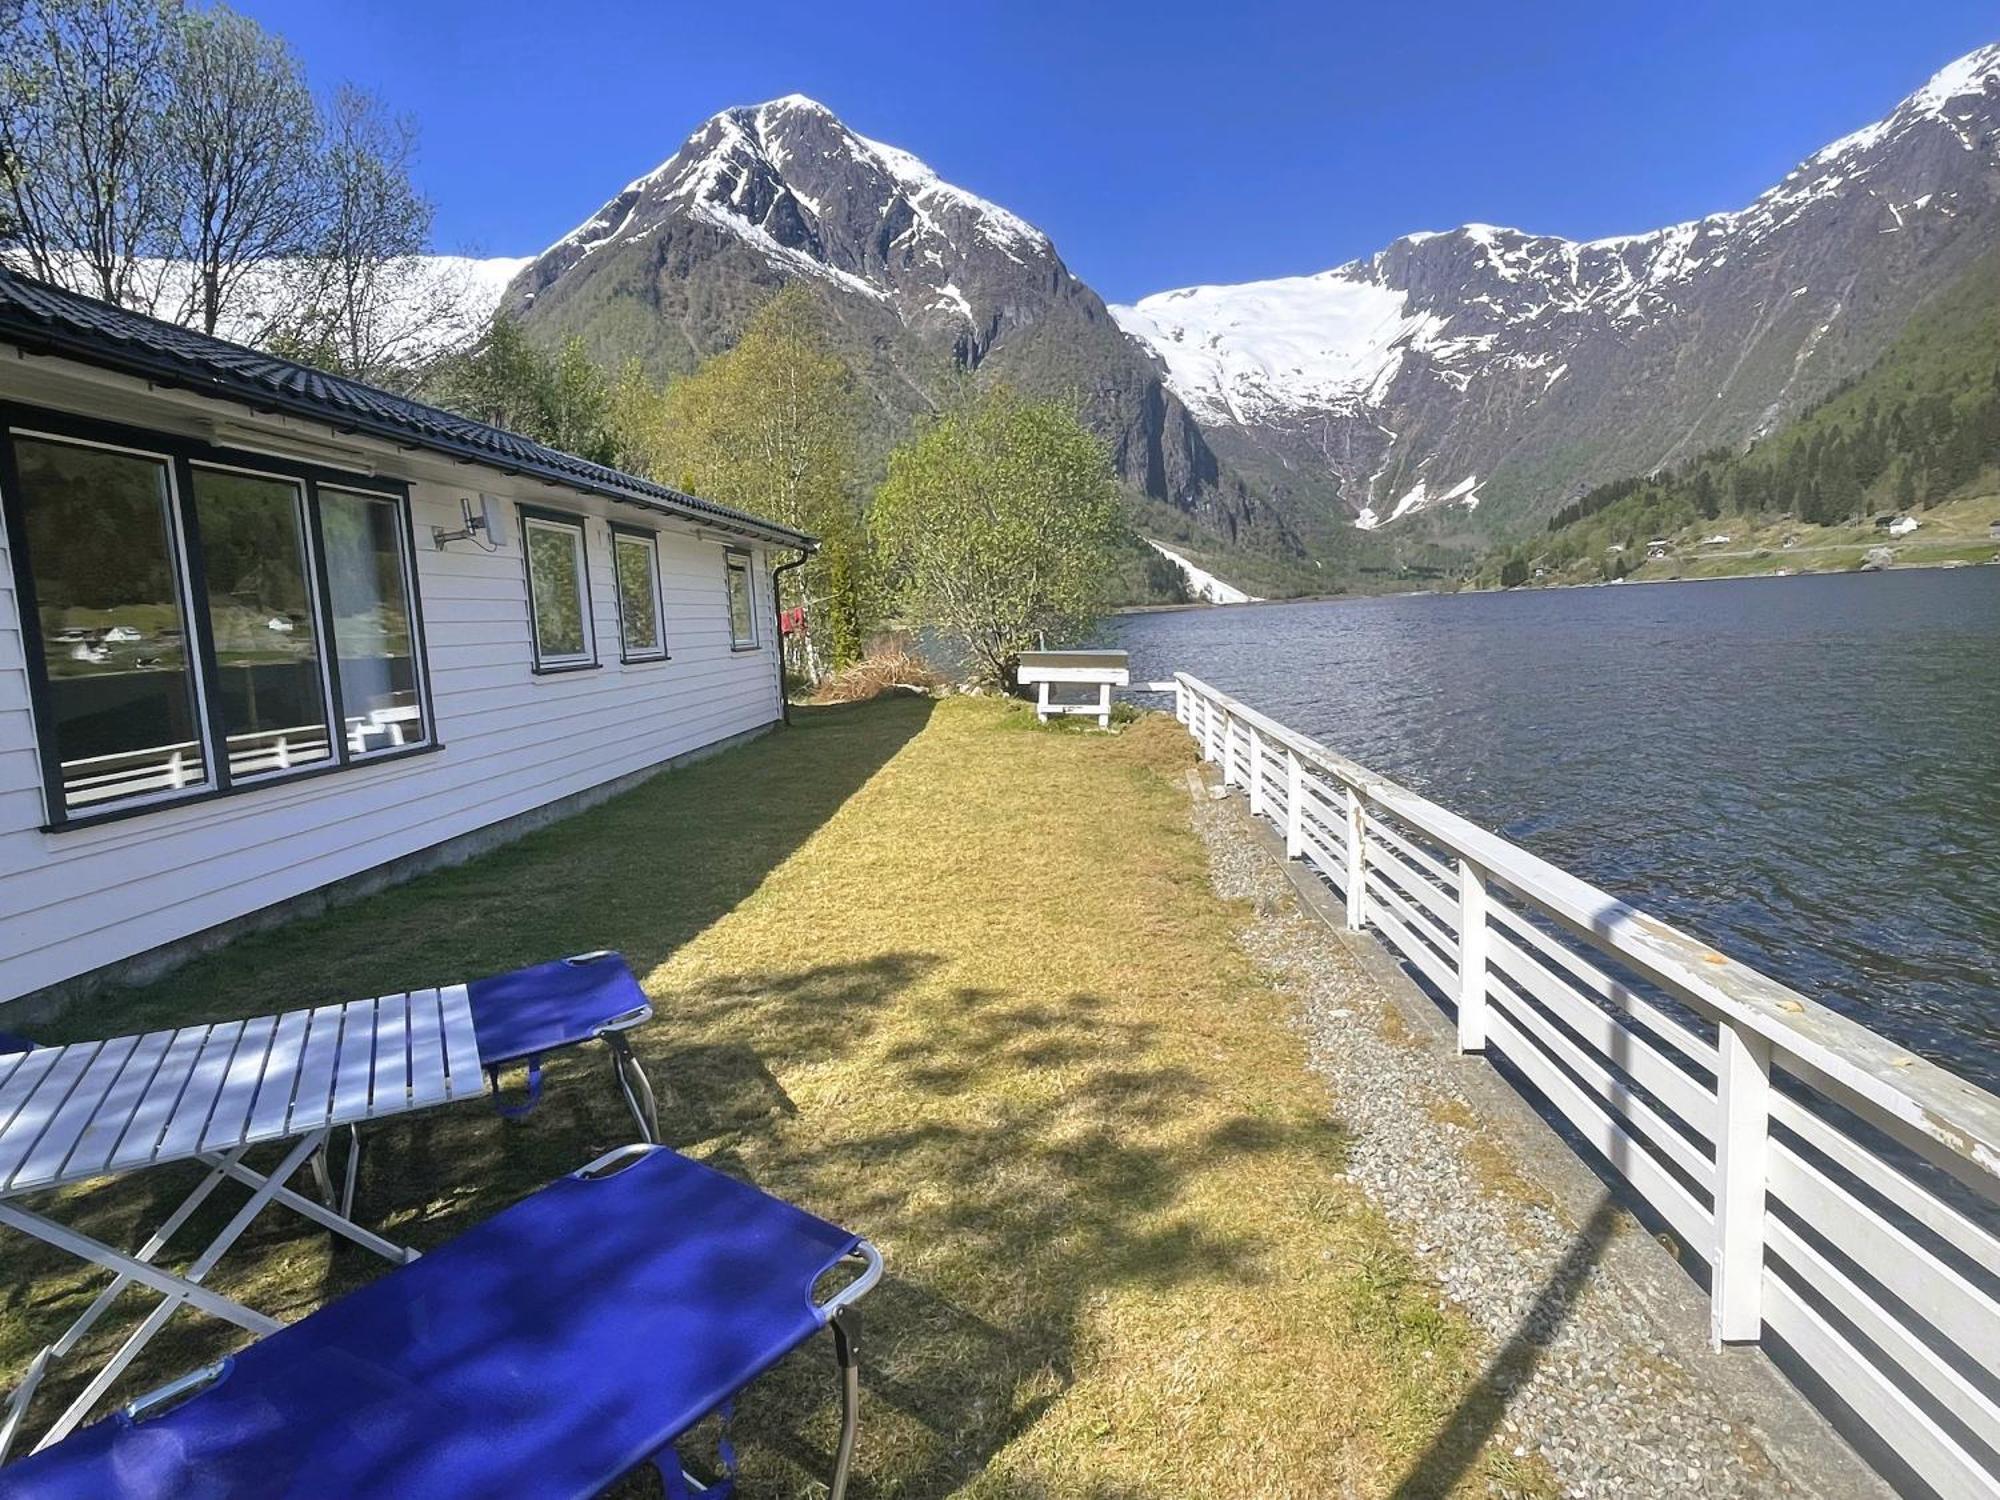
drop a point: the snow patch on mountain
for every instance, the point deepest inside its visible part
(1201, 583)
(1234, 353)
(1418, 497)
(745, 164)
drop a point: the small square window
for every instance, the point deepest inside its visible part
(642, 629)
(742, 601)
(558, 591)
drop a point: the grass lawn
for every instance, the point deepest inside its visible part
(959, 983)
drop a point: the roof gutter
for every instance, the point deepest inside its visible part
(778, 621)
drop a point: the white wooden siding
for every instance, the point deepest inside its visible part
(513, 741)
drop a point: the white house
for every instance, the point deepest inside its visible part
(263, 630)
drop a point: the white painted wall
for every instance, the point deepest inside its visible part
(74, 900)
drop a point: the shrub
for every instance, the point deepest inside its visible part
(883, 670)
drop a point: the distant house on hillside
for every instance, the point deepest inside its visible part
(1993, 531)
(1658, 548)
(268, 629)
(1903, 525)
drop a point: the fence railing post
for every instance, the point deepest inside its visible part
(1256, 769)
(1743, 1089)
(1295, 806)
(1357, 863)
(1228, 748)
(1471, 957)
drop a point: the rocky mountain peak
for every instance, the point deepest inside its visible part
(919, 274)
(800, 187)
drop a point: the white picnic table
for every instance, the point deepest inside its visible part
(209, 1094)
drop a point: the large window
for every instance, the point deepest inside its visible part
(122, 710)
(642, 633)
(182, 600)
(558, 591)
(742, 600)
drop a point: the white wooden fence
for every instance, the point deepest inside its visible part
(1843, 1193)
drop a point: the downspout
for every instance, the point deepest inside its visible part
(778, 625)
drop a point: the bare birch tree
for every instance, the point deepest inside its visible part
(174, 160)
(364, 301)
(83, 89)
(241, 136)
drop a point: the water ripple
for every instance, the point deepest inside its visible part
(1806, 771)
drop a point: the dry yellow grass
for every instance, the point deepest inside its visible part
(963, 987)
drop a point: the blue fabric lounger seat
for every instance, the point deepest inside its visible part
(562, 1343)
(523, 1015)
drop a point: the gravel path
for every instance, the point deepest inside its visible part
(1579, 1378)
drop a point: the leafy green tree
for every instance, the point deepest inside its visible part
(1513, 573)
(998, 522)
(577, 401)
(770, 427)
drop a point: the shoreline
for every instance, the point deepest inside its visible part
(1125, 610)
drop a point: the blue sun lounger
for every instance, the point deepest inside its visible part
(210, 1093)
(563, 1343)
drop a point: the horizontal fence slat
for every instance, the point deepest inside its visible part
(1912, 1355)
(1625, 1046)
(1384, 907)
(1328, 862)
(1440, 906)
(1608, 1086)
(1426, 862)
(1659, 1187)
(1926, 1208)
(1932, 1289)
(1421, 923)
(1914, 1434)
(1574, 966)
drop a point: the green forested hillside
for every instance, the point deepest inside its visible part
(1919, 429)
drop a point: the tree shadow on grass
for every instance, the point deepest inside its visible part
(1015, 1216)
(643, 873)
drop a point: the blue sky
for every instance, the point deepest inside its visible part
(1160, 144)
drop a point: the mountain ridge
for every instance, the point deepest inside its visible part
(1455, 386)
(1353, 385)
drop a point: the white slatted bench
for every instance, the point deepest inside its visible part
(208, 1094)
(1100, 671)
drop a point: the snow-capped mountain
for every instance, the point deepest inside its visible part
(921, 277)
(1487, 367)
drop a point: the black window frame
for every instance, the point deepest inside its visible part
(578, 523)
(181, 455)
(646, 534)
(733, 559)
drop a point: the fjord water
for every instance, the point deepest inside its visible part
(1804, 771)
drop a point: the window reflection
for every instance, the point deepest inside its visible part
(100, 533)
(638, 569)
(374, 652)
(268, 683)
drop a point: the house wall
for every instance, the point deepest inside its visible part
(82, 898)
